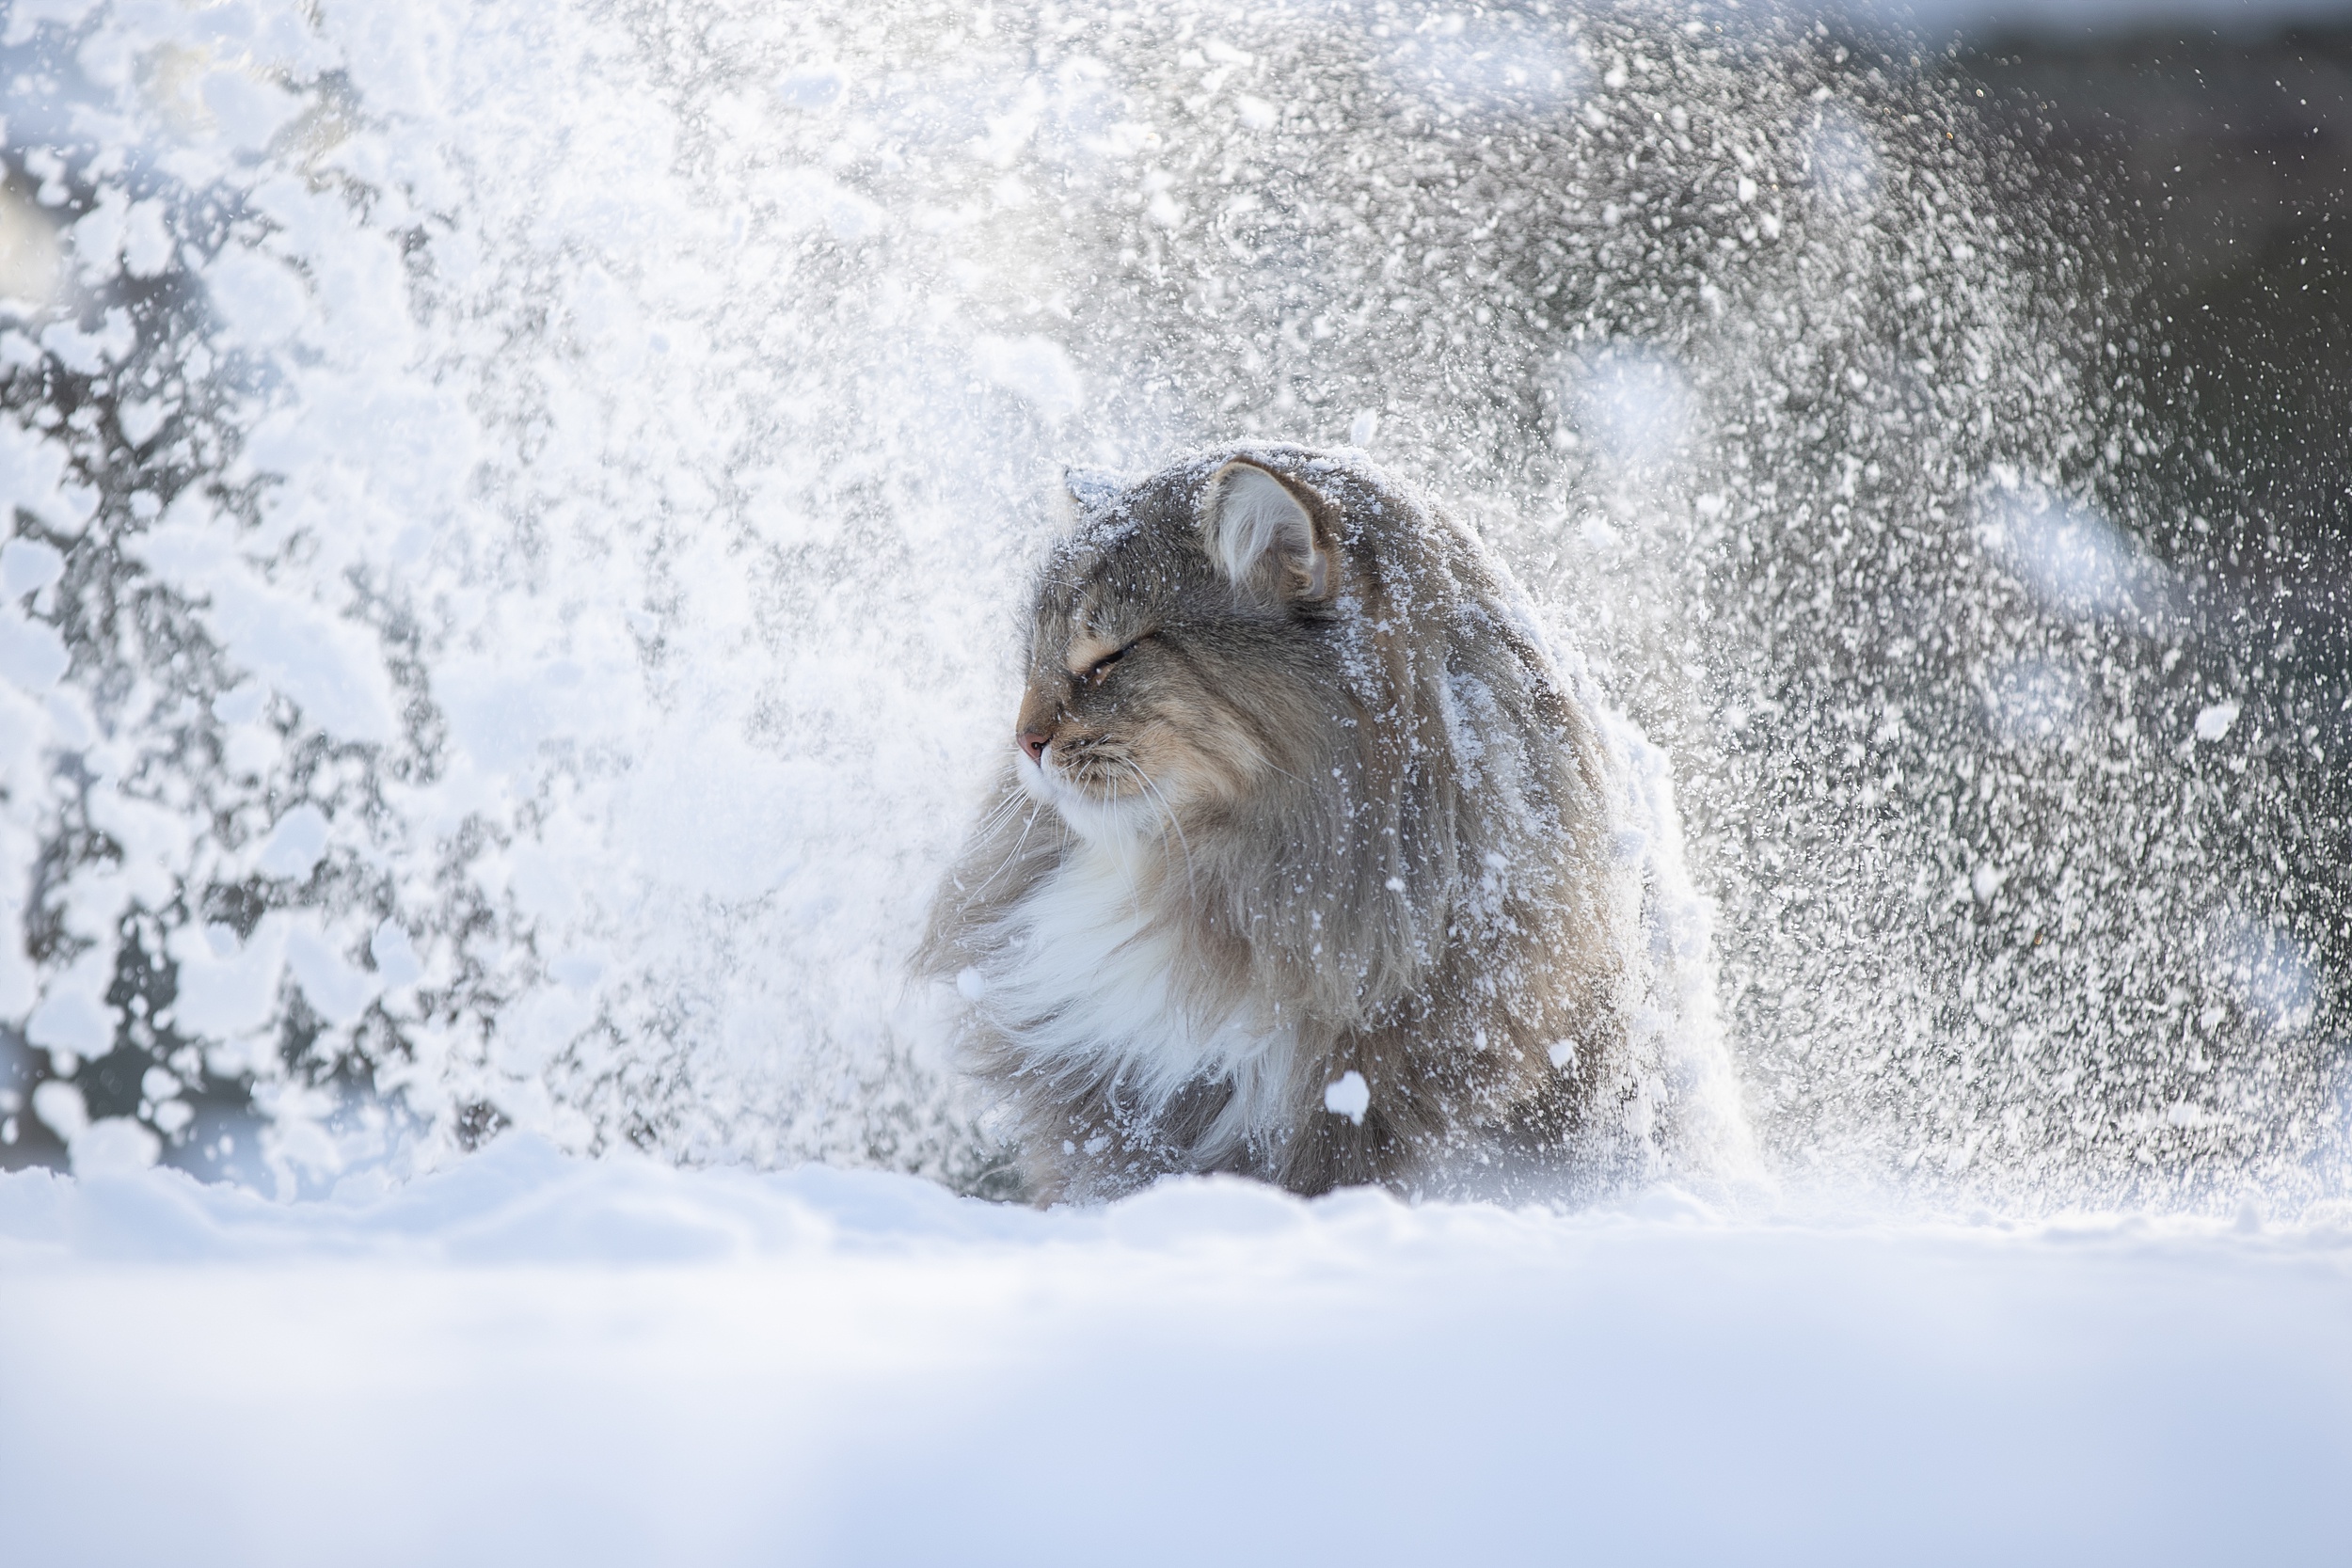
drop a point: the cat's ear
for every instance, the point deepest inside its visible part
(1090, 489)
(1256, 527)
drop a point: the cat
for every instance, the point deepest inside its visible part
(1309, 862)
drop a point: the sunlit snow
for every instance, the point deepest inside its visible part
(515, 517)
(534, 1359)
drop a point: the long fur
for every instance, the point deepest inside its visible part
(1316, 801)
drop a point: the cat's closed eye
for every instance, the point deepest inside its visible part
(1099, 671)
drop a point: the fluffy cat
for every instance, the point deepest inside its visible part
(1310, 862)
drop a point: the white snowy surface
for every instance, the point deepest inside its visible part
(530, 1358)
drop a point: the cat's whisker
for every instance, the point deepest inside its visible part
(1021, 842)
(1001, 811)
(1167, 814)
(1122, 850)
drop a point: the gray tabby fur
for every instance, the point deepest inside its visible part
(1363, 831)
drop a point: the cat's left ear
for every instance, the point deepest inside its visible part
(1260, 526)
(1091, 489)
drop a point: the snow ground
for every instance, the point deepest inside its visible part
(530, 1358)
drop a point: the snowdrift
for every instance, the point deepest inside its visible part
(531, 1359)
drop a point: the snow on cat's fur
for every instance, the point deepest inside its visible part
(1311, 863)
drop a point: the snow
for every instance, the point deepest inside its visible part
(31, 655)
(590, 461)
(71, 1019)
(229, 987)
(533, 1358)
(27, 566)
(2213, 721)
(572, 494)
(296, 844)
(330, 666)
(1032, 368)
(1349, 1096)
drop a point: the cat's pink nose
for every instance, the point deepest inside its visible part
(1033, 742)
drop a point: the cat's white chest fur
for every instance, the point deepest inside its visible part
(1085, 982)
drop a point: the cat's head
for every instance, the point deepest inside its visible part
(1180, 659)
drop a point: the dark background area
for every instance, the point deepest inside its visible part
(2204, 179)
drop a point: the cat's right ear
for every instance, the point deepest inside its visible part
(1256, 527)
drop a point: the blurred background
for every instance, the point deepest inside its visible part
(2197, 158)
(504, 610)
